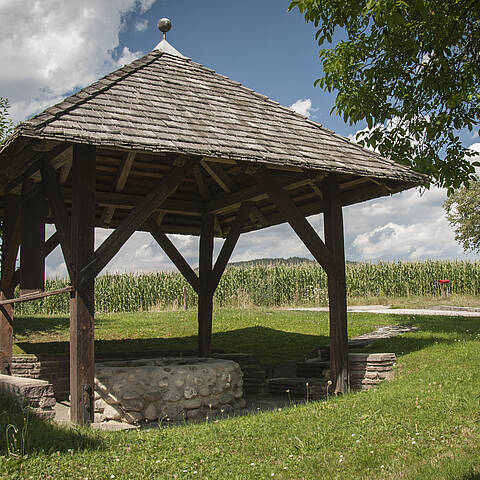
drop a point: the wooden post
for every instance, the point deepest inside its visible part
(337, 292)
(11, 240)
(205, 297)
(32, 249)
(82, 366)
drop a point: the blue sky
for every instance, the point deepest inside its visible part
(54, 47)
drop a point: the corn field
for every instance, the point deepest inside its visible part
(267, 285)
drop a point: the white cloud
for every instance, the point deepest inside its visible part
(145, 5)
(50, 47)
(475, 146)
(141, 25)
(127, 57)
(303, 107)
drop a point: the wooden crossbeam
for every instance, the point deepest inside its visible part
(228, 246)
(225, 202)
(56, 157)
(119, 183)
(298, 222)
(128, 201)
(173, 254)
(220, 176)
(36, 296)
(51, 189)
(136, 218)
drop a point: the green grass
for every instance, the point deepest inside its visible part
(271, 335)
(424, 424)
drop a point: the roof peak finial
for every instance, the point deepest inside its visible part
(164, 25)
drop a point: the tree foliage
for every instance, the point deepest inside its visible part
(410, 69)
(463, 213)
(6, 125)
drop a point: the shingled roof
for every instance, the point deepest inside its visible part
(168, 105)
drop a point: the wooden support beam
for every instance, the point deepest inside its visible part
(220, 176)
(225, 202)
(173, 254)
(51, 189)
(136, 218)
(32, 253)
(257, 217)
(201, 183)
(50, 245)
(56, 157)
(218, 227)
(205, 297)
(65, 172)
(228, 246)
(82, 366)
(119, 183)
(316, 189)
(298, 222)
(10, 244)
(36, 296)
(337, 290)
(127, 201)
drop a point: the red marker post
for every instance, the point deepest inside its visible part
(444, 287)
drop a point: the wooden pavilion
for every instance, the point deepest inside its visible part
(166, 145)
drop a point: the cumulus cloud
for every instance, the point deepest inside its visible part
(303, 107)
(51, 47)
(141, 26)
(127, 57)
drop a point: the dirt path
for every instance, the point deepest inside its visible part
(441, 311)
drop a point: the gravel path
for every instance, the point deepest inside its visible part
(441, 311)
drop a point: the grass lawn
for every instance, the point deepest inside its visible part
(424, 424)
(271, 335)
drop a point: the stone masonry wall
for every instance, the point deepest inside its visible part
(30, 394)
(168, 389)
(56, 370)
(368, 370)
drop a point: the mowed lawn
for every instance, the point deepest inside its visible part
(424, 424)
(272, 335)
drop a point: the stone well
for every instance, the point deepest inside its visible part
(167, 389)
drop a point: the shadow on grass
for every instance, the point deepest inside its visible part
(24, 433)
(28, 325)
(267, 344)
(471, 476)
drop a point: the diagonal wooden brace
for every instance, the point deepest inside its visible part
(173, 254)
(298, 222)
(137, 217)
(228, 246)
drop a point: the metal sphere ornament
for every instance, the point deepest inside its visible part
(164, 25)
